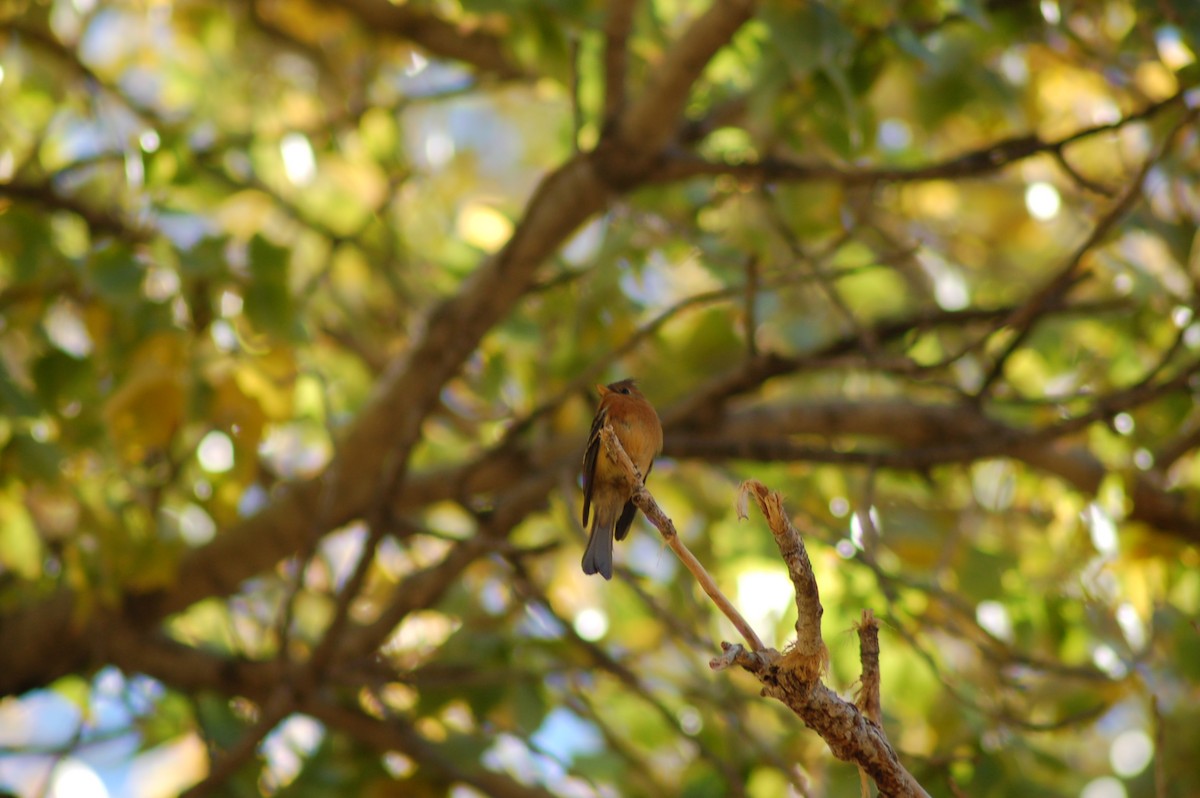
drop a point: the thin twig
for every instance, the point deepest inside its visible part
(868, 653)
(1024, 319)
(751, 305)
(646, 503)
(280, 705)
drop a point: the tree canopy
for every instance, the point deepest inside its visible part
(303, 306)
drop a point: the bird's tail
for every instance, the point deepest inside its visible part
(598, 557)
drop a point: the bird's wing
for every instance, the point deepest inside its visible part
(589, 461)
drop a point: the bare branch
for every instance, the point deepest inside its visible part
(808, 651)
(869, 683)
(681, 164)
(795, 677)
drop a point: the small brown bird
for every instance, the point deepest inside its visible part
(638, 429)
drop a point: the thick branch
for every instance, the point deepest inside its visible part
(100, 220)
(374, 452)
(616, 55)
(472, 45)
(909, 435)
(653, 120)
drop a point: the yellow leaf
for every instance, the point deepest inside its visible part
(273, 398)
(236, 410)
(144, 413)
(20, 546)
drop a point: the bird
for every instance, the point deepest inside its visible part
(639, 430)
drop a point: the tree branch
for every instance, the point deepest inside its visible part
(653, 120)
(472, 45)
(1023, 320)
(396, 734)
(385, 431)
(683, 164)
(616, 55)
(100, 221)
(808, 651)
(794, 677)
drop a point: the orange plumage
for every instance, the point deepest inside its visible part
(637, 427)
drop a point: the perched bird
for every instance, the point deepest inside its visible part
(638, 429)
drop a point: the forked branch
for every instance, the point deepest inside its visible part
(853, 733)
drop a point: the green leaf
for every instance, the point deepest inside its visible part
(703, 781)
(76, 690)
(15, 401)
(207, 259)
(268, 262)
(116, 274)
(909, 42)
(60, 378)
(809, 38)
(217, 720)
(170, 718)
(35, 458)
(25, 240)
(267, 300)
(530, 705)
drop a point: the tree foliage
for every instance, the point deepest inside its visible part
(303, 303)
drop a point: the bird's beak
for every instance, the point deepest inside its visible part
(603, 389)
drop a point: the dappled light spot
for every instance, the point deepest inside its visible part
(1131, 752)
(763, 596)
(1042, 200)
(215, 452)
(1172, 49)
(591, 624)
(1102, 529)
(993, 617)
(299, 162)
(66, 329)
(1108, 660)
(74, 779)
(195, 525)
(483, 226)
(1104, 787)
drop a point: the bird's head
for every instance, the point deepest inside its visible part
(626, 387)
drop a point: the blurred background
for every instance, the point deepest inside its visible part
(289, 507)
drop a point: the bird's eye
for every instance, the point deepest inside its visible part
(625, 391)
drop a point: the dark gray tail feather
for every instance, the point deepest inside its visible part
(598, 558)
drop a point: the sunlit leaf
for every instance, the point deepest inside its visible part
(20, 548)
